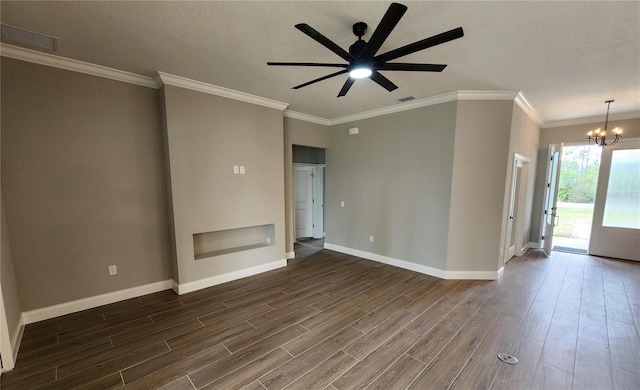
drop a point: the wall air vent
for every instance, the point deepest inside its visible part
(406, 99)
(30, 39)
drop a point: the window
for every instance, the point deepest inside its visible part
(622, 205)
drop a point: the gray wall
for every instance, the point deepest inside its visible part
(525, 140)
(207, 135)
(567, 134)
(307, 133)
(430, 184)
(395, 180)
(83, 183)
(477, 192)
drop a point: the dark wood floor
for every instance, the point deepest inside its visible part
(333, 321)
(306, 247)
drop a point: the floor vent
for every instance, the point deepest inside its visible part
(508, 358)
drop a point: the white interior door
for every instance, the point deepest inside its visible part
(551, 196)
(615, 231)
(303, 197)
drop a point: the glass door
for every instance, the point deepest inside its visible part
(616, 220)
(551, 196)
(576, 197)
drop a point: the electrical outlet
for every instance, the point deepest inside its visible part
(242, 171)
(342, 203)
(113, 270)
(370, 238)
(236, 170)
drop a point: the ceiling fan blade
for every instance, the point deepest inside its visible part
(346, 86)
(387, 24)
(421, 45)
(320, 79)
(382, 81)
(307, 64)
(412, 67)
(324, 41)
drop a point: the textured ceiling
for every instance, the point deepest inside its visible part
(566, 57)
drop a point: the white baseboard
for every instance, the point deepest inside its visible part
(46, 313)
(423, 269)
(290, 255)
(228, 277)
(472, 275)
(9, 362)
(175, 286)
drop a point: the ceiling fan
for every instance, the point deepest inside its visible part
(361, 57)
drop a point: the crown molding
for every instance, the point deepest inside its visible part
(183, 82)
(307, 118)
(161, 78)
(593, 119)
(428, 101)
(529, 109)
(410, 105)
(486, 95)
(55, 61)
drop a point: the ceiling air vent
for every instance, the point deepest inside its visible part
(406, 99)
(33, 40)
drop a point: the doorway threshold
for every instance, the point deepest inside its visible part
(570, 250)
(305, 247)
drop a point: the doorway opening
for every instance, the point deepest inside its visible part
(576, 197)
(516, 233)
(308, 196)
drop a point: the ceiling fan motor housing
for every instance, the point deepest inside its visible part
(357, 48)
(359, 29)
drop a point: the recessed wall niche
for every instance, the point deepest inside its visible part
(221, 242)
(206, 136)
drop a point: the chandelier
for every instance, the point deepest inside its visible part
(599, 136)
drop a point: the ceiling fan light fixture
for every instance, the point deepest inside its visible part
(360, 72)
